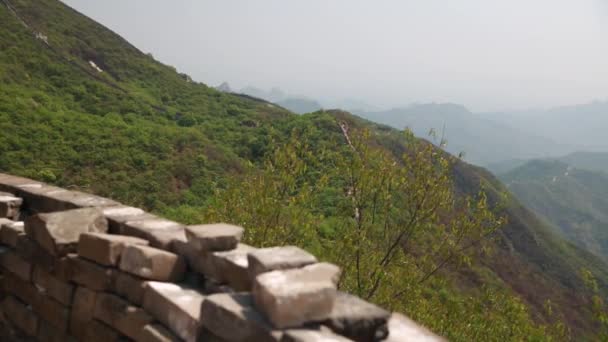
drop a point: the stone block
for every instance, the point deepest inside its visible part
(90, 274)
(96, 331)
(178, 307)
(214, 237)
(55, 288)
(58, 232)
(402, 328)
(105, 249)
(278, 258)
(229, 267)
(357, 319)
(152, 263)
(291, 298)
(82, 311)
(120, 214)
(20, 315)
(48, 333)
(233, 317)
(23, 290)
(160, 232)
(55, 313)
(128, 319)
(309, 335)
(44, 198)
(10, 183)
(10, 232)
(208, 336)
(30, 251)
(129, 286)
(15, 264)
(10, 206)
(158, 333)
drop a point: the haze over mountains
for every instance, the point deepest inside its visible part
(495, 140)
(149, 136)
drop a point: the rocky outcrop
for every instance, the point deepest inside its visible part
(86, 268)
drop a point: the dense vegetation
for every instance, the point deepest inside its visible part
(572, 200)
(140, 132)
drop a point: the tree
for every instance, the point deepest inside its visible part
(406, 222)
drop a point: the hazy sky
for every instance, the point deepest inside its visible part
(485, 54)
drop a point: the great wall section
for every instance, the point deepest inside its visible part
(79, 267)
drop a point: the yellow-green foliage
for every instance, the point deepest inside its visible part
(392, 224)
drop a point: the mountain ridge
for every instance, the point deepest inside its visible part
(167, 142)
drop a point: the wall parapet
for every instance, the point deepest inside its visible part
(80, 267)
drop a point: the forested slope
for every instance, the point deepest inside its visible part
(142, 133)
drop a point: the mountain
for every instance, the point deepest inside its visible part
(300, 105)
(142, 133)
(581, 125)
(573, 200)
(224, 87)
(273, 95)
(593, 161)
(483, 141)
(296, 104)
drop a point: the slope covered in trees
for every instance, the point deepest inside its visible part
(142, 133)
(573, 200)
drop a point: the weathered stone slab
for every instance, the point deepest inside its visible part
(58, 232)
(15, 264)
(48, 333)
(118, 215)
(105, 249)
(31, 252)
(10, 232)
(357, 319)
(177, 307)
(208, 336)
(20, 315)
(47, 284)
(234, 318)
(278, 258)
(160, 232)
(63, 268)
(214, 237)
(192, 256)
(23, 290)
(291, 298)
(309, 335)
(44, 198)
(130, 287)
(82, 311)
(124, 317)
(152, 263)
(90, 274)
(13, 184)
(157, 333)
(229, 267)
(10, 206)
(57, 314)
(402, 329)
(96, 331)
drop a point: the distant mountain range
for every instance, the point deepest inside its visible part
(582, 125)
(483, 141)
(296, 104)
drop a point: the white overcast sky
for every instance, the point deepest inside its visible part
(485, 54)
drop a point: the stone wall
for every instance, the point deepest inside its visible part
(79, 267)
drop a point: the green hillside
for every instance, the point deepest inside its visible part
(572, 200)
(142, 133)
